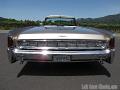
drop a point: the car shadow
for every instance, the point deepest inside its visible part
(64, 69)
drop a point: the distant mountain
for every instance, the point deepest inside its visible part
(106, 19)
(109, 19)
(1, 17)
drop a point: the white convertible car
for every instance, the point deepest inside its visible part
(59, 39)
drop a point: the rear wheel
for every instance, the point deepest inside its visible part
(11, 58)
(109, 60)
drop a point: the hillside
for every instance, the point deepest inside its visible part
(0, 17)
(109, 19)
(106, 19)
(110, 22)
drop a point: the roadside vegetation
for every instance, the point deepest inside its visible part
(8, 24)
(111, 22)
(106, 26)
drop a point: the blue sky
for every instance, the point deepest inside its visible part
(38, 9)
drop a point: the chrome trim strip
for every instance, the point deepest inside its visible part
(59, 48)
(61, 40)
(17, 51)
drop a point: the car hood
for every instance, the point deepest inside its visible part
(60, 29)
(60, 32)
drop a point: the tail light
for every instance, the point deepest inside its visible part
(112, 43)
(10, 41)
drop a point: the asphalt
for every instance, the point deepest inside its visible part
(66, 76)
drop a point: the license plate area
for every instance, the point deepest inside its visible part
(61, 58)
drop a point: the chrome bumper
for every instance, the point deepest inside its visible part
(46, 56)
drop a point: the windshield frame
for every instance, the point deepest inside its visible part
(74, 20)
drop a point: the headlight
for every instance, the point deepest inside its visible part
(24, 43)
(101, 44)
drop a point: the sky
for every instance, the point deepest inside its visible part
(38, 9)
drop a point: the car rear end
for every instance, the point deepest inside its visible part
(63, 50)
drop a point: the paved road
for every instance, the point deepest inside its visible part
(33, 76)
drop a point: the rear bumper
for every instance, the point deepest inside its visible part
(47, 56)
